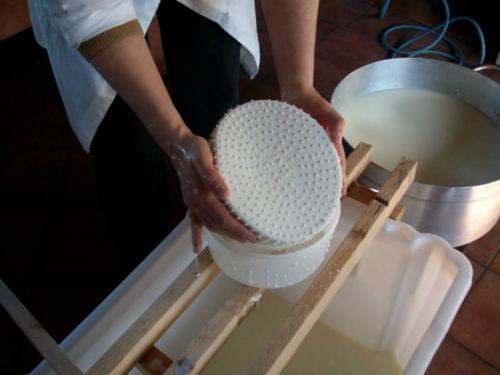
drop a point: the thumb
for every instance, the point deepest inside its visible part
(196, 229)
(341, 154)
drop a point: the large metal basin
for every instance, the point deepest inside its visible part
(458, 214)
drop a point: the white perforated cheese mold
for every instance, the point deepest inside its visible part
(284, 182)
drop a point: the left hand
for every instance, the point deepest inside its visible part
(311, 102)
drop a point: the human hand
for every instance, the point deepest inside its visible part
(204, 190)
(311, 102)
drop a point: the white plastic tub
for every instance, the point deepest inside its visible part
(402, 296)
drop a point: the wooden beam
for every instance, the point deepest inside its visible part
(361, 193)
(314, 301)
(390, 193)
(364, 195)
(398, 212)
(154, 362)
(146, 330)
(218, 329)
(357, 161)
(38, 336)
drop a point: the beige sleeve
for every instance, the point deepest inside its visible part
(94, 45)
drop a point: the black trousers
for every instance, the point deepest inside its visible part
(137, 192)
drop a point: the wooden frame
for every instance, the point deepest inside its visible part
(136, 345)
(383, 204)
(306, 312)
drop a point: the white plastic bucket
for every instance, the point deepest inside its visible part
(246, 264)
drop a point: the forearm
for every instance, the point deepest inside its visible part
(128, 67)
(292, 30)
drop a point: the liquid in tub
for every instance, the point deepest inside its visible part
(325, 351)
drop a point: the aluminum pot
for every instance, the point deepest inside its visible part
(458, 214)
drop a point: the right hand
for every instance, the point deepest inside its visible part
(204, 190)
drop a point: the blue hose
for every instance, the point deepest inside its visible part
(439, 30)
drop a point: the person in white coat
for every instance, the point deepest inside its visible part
(97, 50)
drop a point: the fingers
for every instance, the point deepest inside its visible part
(223, 222)
(196, 231)
(210, 212)
(204, 165)
(198, 185)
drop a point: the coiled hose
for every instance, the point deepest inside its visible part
(439, 30)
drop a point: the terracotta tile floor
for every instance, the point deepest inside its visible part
(56, 252)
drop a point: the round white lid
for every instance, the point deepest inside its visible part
(282, 171)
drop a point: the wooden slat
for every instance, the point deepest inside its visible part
(398, 212)
(388, 193)
(218, 329)
(361, 193)
(357, 161)
(364, 195)
(38, 336)
(154, 362)
(140, 337)
(313, 302)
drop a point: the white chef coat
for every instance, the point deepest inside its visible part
(62, 25)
